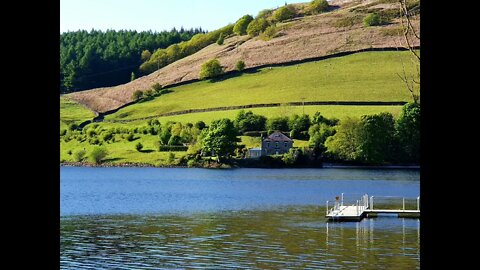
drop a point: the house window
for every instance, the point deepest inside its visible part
(286, 144)
(268, 144)
(276, 144)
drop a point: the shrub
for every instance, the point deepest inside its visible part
(247, 121)
(318, 6)
(98, 154)
(257, 26)
(139, 146)
(94, 141)
(165, 135)
(153, 122)
(210, 69)
(284, 13)
(69, 152)
(192, 163)
(72, 127)
(277, 123)
(79, 155)
(269, 33)
(148, 93)
(91, 132)
(145, 56)
(200, 125)
(290, 158)
(220, 39)
(130, 137)
(63, 132)
(157, 87)
(240, 65)
(171, 157)
(299, 123)
(175, 140)
(137, 95)
(372, 19)
(318, 118)
(107, 136)
(241, 25)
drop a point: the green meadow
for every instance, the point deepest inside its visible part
(122, 151)
(367, 76)
(73, 113)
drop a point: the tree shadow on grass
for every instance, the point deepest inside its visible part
(112, 159)
(146, 151)
(233, 74)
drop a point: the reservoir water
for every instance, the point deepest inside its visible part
(159, 218)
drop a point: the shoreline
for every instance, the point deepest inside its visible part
(145, 165)
(114, 165)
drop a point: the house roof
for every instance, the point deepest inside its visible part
(278, 137)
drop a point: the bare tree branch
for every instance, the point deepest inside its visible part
(408, 28)
(412, 81)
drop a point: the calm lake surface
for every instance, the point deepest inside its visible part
(158, 218)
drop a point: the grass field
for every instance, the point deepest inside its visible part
(122, 151)
(368, 76)
(72, 112)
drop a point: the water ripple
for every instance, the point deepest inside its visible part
(273, 239)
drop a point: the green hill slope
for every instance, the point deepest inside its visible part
(73, 113)
(367, 76)
(339, 30)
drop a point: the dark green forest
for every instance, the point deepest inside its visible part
(97, 59)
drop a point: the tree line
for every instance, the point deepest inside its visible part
(370, 139)
(97, 59)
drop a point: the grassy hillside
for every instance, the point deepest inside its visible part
(73, 113)
(339, 30)
(368, 76)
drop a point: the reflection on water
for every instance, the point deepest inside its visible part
(150, 218)
(281, 238)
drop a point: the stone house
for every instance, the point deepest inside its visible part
(276, 144)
